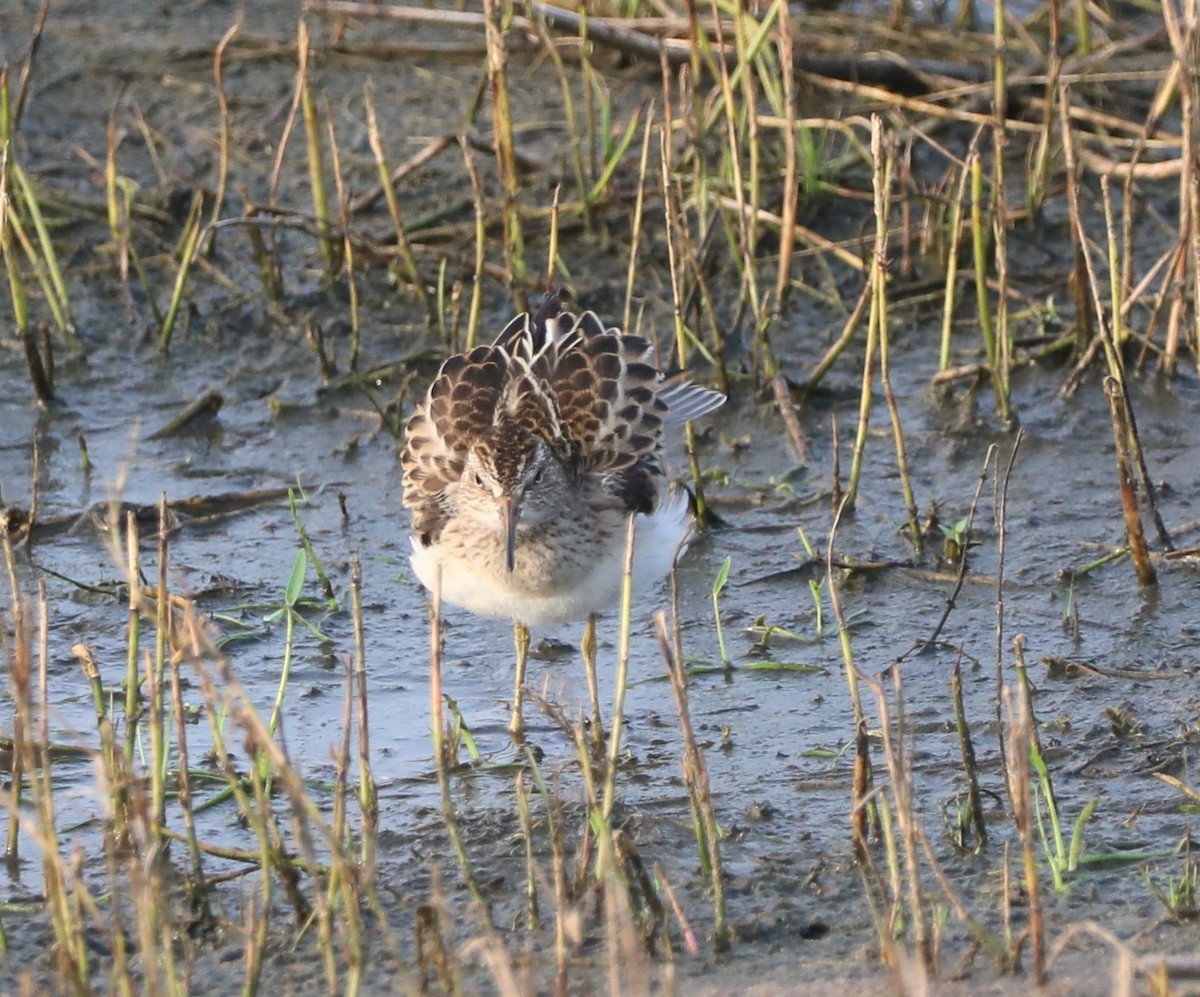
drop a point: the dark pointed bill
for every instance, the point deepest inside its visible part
(510, 513)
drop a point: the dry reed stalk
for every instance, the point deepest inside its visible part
(347, 248)
(622, 679)
(43, 259)
(497, 14)
(314, 151)
(791, 178)
(196, 884)
(966, 748)
(884, 165)
(677, 303)
(476, 308)
(156, 672)
(130, 561)
(368, 797)
(223, 134)
(387, 187)
(552, 260)
(40, 370)
(437, 719)
(1000, 512)
(745, 189)
(862, 748)
(189, 245)
(1135, 536)
(1020, 791)
(582, 182)
(695, 775)
(900, 775)
(18, 664)
(635, 236)
(870, 349)
(822, 366)
(951, 292)
(533, 921)
(999, 210)
(1179, 19)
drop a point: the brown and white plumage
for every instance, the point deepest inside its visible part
(527, 455)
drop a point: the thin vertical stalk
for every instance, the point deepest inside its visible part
(449, 818)
(1002, 366)
(618, 720)
(884, 160)
(695, 773)
(347, 259)
(677, 304)
(223, 116)
(403, 246)
(950, 296)
(368, 799)
(497, 14)
(157, 675)
(791, 178)
(476, 308)
(315, 153)
(635, 238)
(862, 755)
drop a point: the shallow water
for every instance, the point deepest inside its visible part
(776, 739)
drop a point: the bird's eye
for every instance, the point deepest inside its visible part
(478, 480)
(540, 476)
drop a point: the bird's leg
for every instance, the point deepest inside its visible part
(516, 725)
(588, 650)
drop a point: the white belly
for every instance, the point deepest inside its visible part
(480, 583)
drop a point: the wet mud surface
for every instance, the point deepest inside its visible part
(1114, 667)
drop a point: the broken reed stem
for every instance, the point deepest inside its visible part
(618, 720)
(695, 775)
(900, 774)
(196, 887)
(476, 309)
(18, 664)
(552, 252)
(677, 304)
(1003, 359)
(223, 137)
(368, 797)
(791, 178)
(45, 259)
(497, 14)
(1001, 514)
(388, 186)
(1020, 791)
(950, 295)
(884, 162)
(347, 247)
(1134, 534)
(156, 673)
(979, 248)
(864, 403)
(189, 246)
(635, 236)
(449, 817)
(133, 635)
(326, 241)
(966, 748)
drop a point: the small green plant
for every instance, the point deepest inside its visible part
(1180, 895)
(718, 586)
(1063, 859)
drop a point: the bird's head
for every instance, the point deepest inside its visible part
(512, 477)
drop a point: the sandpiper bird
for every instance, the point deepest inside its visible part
(523, 463)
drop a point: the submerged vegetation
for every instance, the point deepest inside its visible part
(791, 203)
